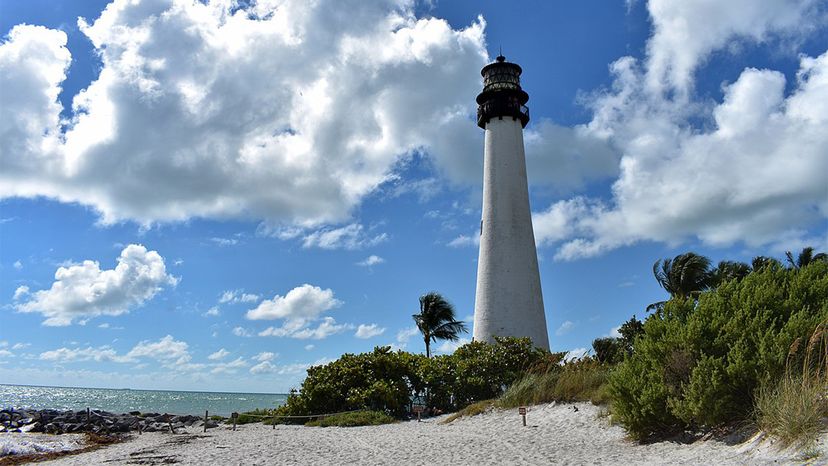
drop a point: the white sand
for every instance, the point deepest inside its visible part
(554, 435)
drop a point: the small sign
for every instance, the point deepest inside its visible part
(418, 408)
(234, 415)
(522, 411)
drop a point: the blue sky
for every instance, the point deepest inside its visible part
(214, 195)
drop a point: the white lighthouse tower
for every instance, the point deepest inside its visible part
(509, 301)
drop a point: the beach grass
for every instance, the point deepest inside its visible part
(471, 410)
(354, 419)
(794, 409)
(582, 381)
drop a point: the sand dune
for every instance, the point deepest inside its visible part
(555, 434)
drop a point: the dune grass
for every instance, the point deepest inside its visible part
(354, 419)
(579, 381)
(794, 409)
(471, 410)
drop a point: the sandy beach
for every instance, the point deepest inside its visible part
(555, 434)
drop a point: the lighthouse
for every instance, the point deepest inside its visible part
(508, 300)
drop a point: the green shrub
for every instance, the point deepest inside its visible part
(700, 364)
(355, 419)
(387, 381)
(483, 371)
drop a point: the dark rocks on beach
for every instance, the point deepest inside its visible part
(52, 421)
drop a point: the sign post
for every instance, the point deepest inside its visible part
(235, 417)
(418, 408)
(522, 412)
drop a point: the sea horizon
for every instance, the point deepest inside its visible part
(124, 400)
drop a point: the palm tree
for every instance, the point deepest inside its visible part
(760, 262)
(727, 271)
(683, 276)
(805, 257)
(436, 320)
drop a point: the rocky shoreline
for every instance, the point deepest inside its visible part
(95, 421)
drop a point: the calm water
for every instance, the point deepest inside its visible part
(123, 401)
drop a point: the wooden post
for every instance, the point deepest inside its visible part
(522, 412)
(205, 420)
(88, 415)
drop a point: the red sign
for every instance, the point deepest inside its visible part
(522, 411)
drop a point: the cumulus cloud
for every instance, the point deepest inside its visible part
(241, 332)
(165, 349)
(172, 352)
(83, 291)
(299, 328)
(218, 355)
(368, 331)
(303, 302)
(229, 367)
(720, 183)
(265, 356)
(18, 265)
(290, 112)
(299, 309)
(370, 261)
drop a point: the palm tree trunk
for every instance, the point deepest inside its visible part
(428, 348)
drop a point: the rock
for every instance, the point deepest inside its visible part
(53, 428)
(135, 413)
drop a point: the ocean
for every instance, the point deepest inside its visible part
(126, 400)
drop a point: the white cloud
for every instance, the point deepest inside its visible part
(99, 354)
(465, 241)
(404, 335)
(225, 241)
(18, 346)
(309, 347)
(299, 328)
(448, 347)
(565, 328)
(212, 312)
(288, 369)
(165, 349)
(236, 132)
(349, 237)
(237, 296)
(614, 332)
(263, 367)
(104, 325)
(20, 292)
(370, 261)
(18, 265)
(241, 332)
(6, 353)
(303, 302)
(265, 356)
(576, 353)
(719, 182)
(229, 367)
(368, 331)
(218, 355)
(83, 291)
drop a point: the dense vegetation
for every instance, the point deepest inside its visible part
(388, 381)
(734, 343)
(703, 357)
